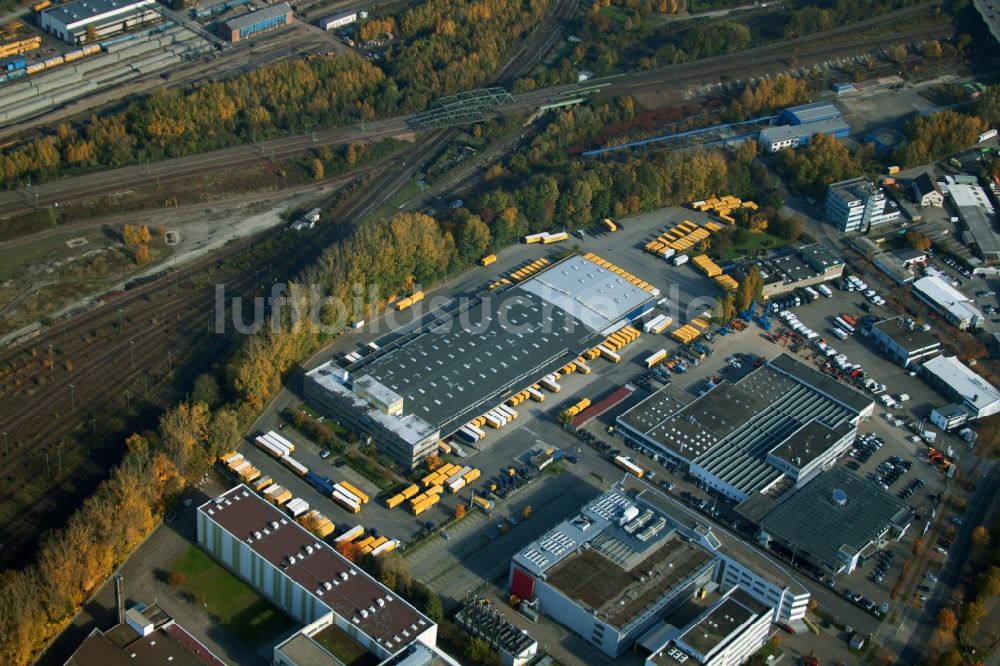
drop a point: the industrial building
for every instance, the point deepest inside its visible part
(858, 204)
(962, 385)
(255, 22)
(926, 193)
(979, 217)
(339, 20)
(630, 566)
(800, 267)
(726, 629)
(837, 522)
(783, 422)
(335, 599)
(476, 354)
(797, 124)
(957, 309)
(895, 267)
(72, 21)
(903, 340)
(144, 635)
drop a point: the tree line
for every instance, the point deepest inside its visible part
(445, 46)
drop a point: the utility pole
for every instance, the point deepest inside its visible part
(169, 363)
(128, 399)
(121, 320)
(72, 396)
(52, 365)
(131, 345)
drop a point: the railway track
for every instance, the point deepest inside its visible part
(707, 70)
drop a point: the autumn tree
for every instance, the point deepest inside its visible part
(349, 549)
(824, 160)
(973, 612)
(918, 241)
(725, 307)
(750, 289)
(478, 651)
(947, 622)
(141, 254)
(176, 579)
(206, 389)
(472, 238)
(459, 511)
(433, 462)
(317, 169)
(526, 511)
(936, 135)
(980, 536)
(392, 571)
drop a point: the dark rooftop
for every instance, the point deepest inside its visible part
(924, 184)
(122, 645)
(333, 580)
(604, 586)
(820, 256)
(845, 395)
(809, 442)
(819, 528)
(912, 341)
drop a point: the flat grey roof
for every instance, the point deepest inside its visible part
(850, 398)
(981, 223)
(254, 17)
(807, 129)
(816, 526)
(808, 113)
(81, 10)
(820, 256)
(464, 363)
(714, 627)
(809, 442)
(913, 341)
(729, 430)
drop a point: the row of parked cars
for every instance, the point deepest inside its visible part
(882, 565)
(860, 600)
(865, 446)
(889, 471)
(910, 488)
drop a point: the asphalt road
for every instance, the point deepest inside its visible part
(708, 71)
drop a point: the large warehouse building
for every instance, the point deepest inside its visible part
(634, 564)
(837, 522)
(783, 421)
(72, 21)
(474, 356)
(903, 340)
(336, 600)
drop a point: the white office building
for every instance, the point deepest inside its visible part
(957, 308)
(858, 204)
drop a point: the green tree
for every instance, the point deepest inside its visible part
(478, 651)
(725, 307)
(206, 389)
(472, 238)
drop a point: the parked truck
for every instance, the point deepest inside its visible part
(629, 466)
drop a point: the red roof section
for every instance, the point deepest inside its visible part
(601, 406)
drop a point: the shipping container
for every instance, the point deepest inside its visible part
(427, 503)
(351, 534)
(268, 448)
(629, 466)
(550, 385)
(279, 438)
(987, 135)
(320, 483)
(488, 259)
(555, 238)
(482, 503)
(339, 488)
(535, 394)
(656, 358)
(357, 493)
(348, 503)
(609, 225)
(680, 259)
(386, 547)
(609, 355)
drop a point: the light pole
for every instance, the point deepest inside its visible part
(131, 345)
(72, 397)
(121, 320)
